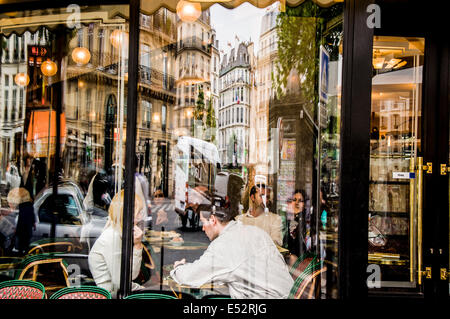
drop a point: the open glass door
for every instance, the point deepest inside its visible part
(395, 196)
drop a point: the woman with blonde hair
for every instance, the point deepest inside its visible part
(19, 198)
(105, 256)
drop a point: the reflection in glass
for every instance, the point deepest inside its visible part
(395, 142)
(222, 110)
(62, 134)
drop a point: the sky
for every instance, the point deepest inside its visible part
(243, 21)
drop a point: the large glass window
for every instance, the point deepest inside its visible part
(279, 133)
(273, 161)
(62, 145)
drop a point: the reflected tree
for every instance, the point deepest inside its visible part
(297, 47)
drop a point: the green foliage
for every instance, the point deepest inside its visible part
(205, 115)
(199, 111)
(297, 49)
(211, 120)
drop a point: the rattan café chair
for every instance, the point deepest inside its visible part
(21, 289)
(150, 295)
(82, 292)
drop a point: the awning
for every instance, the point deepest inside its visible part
(19, 22)
(151, 6)
(42, 131)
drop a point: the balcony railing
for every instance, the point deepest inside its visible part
(194, 43)
(156, 79)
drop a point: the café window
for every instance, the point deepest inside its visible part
(280, 134)
(63, 160)
(62, 147)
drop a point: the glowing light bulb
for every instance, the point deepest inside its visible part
(188, 11)
(22, 79)
(81, 55)
(49, 68)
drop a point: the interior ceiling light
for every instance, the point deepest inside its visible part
(378, 63)
(22, 79)
(392, 62)
(399, 65)
(81, 56)
(188, 11)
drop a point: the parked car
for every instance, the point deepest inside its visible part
(72, 220)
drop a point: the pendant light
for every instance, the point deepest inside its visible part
(81, 56)
(118, 38)
(22, 79)
(188, 11)
(49, 68)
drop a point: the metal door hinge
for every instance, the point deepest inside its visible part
(444, 169)
(427, 273)
(444, 274)
(428, 168)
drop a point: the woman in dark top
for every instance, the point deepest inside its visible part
(297, 226)
(20, 198)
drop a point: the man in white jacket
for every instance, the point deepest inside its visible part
(242, 257)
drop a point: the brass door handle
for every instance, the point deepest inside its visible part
(421, 168)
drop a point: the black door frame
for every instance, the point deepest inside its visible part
(402, 18)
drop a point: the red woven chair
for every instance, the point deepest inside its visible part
(21, 289)
(82, 292)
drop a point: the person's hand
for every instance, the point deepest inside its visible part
(161, 217)
(138, 235)
(179, 262)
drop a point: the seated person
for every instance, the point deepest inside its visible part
(242, 257)
(299, 241)
(258, 216)
(105, 256)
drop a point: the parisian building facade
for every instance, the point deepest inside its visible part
(235, 104)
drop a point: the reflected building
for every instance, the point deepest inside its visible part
(93, 114)
(157, 97)
(265, 68)
(196, 46)
(235, 104)
(215, 69)
(13, 62)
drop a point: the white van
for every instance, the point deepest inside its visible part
(197, 163)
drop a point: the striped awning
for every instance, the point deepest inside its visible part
(151, 6)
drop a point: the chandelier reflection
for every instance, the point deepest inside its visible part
(22, 79)
(188, 11)
(81, 56)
